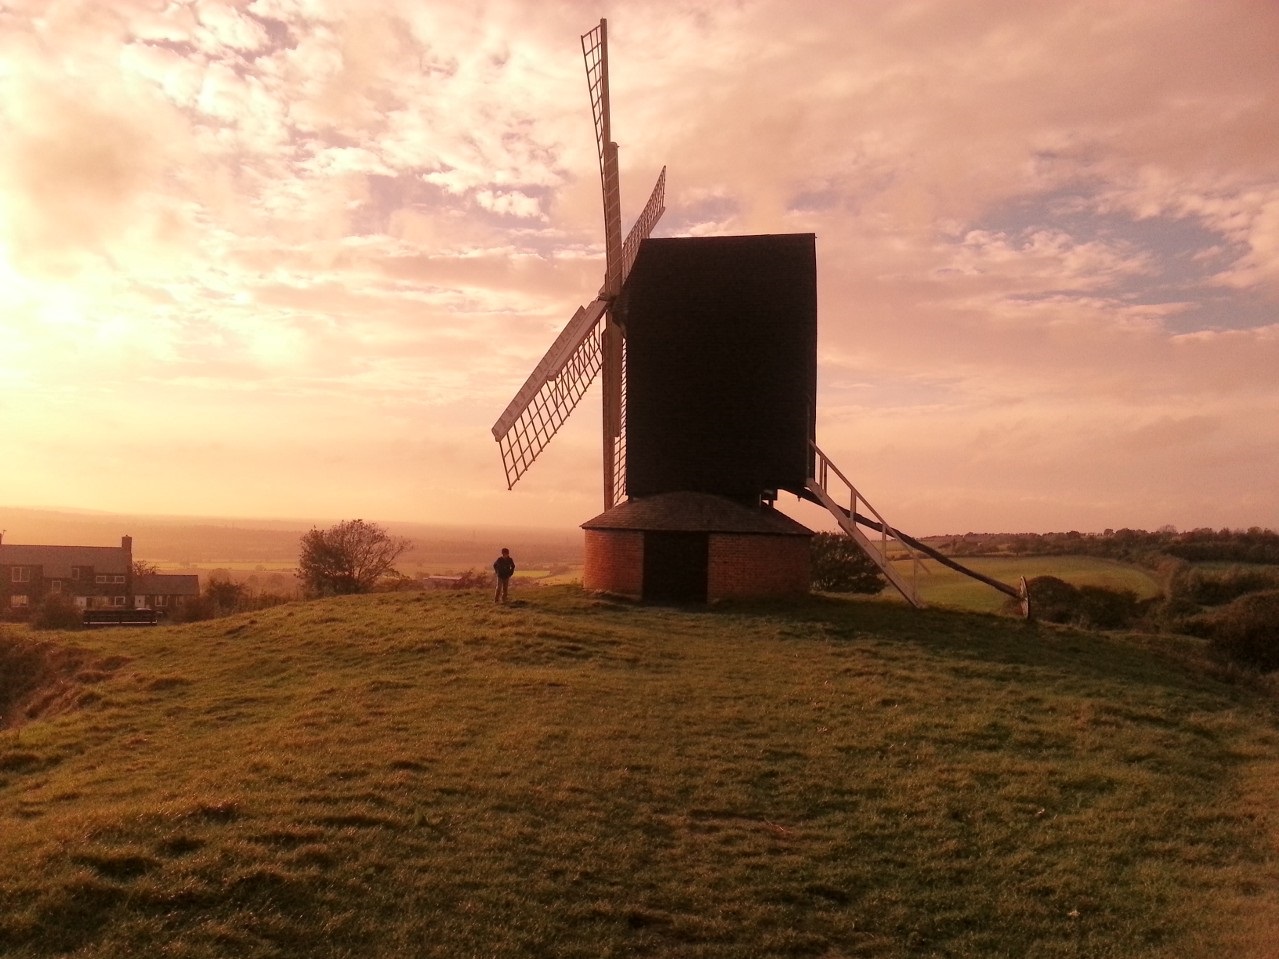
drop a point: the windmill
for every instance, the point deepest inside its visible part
(716, 338)
(593, 342)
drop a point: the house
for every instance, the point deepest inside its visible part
(165, 592)
(91, 576)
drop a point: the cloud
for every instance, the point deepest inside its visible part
(1048, 238)
(513, 203)
(76, 177)
(223, 26)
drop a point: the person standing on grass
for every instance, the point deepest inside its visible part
(504, 566)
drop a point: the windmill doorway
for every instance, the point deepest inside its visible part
(676, 566)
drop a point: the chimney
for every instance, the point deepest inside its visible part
(126, 543)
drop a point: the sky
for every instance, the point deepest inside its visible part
(291, 258)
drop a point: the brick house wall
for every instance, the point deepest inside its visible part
(167, 592)
(614, 562)
(739, 566)
(757, 566)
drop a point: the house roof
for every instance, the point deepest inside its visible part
(689, 512)
(168, 584)
(56, 561)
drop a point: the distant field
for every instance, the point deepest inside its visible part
(428, 775)
(236, 566)
(940, 586)
(561, 577)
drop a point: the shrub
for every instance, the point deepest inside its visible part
(1174, 576)
(840, 566)
(474, 579)
(224, 595)
(267, 600)
(1217, 587)
(1176, 614)
(56, 612)
(1054, 600)
(1101, 608)
(193, 610)
(1247, 630)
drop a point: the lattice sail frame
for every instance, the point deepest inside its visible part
(595, 54)
(551, 392)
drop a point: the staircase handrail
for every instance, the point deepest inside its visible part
(821, 479)
(914, 548)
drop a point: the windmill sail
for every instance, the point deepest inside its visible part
(595, 53)
(551, 392)
(643, 227)
(592, 342)
(612, 355)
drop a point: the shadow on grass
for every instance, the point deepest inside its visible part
(964, 638)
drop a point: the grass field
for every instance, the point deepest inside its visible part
(429, 775)
(939, 586)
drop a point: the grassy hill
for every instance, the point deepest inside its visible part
(430, 775)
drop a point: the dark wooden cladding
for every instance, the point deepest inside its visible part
(721, 356)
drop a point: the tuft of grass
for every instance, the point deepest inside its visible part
(426, 774)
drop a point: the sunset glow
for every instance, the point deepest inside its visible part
(291, 258)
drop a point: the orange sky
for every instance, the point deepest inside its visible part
(290, 258)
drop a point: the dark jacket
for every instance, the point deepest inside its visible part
(504, 566)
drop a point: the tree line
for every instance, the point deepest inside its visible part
(1253, 545)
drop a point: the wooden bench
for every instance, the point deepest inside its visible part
(120, 617)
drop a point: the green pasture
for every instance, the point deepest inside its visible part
(564, 577)
(428, 775)
(940, 586)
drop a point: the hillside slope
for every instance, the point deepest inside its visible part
(430, 775)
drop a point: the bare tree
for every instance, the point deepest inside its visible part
(142, 568)
(350, 557)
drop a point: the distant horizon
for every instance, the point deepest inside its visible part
(498, 531)
(223, 519)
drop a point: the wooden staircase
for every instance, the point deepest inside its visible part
(830, 488)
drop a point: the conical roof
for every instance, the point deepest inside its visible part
(689, 512)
